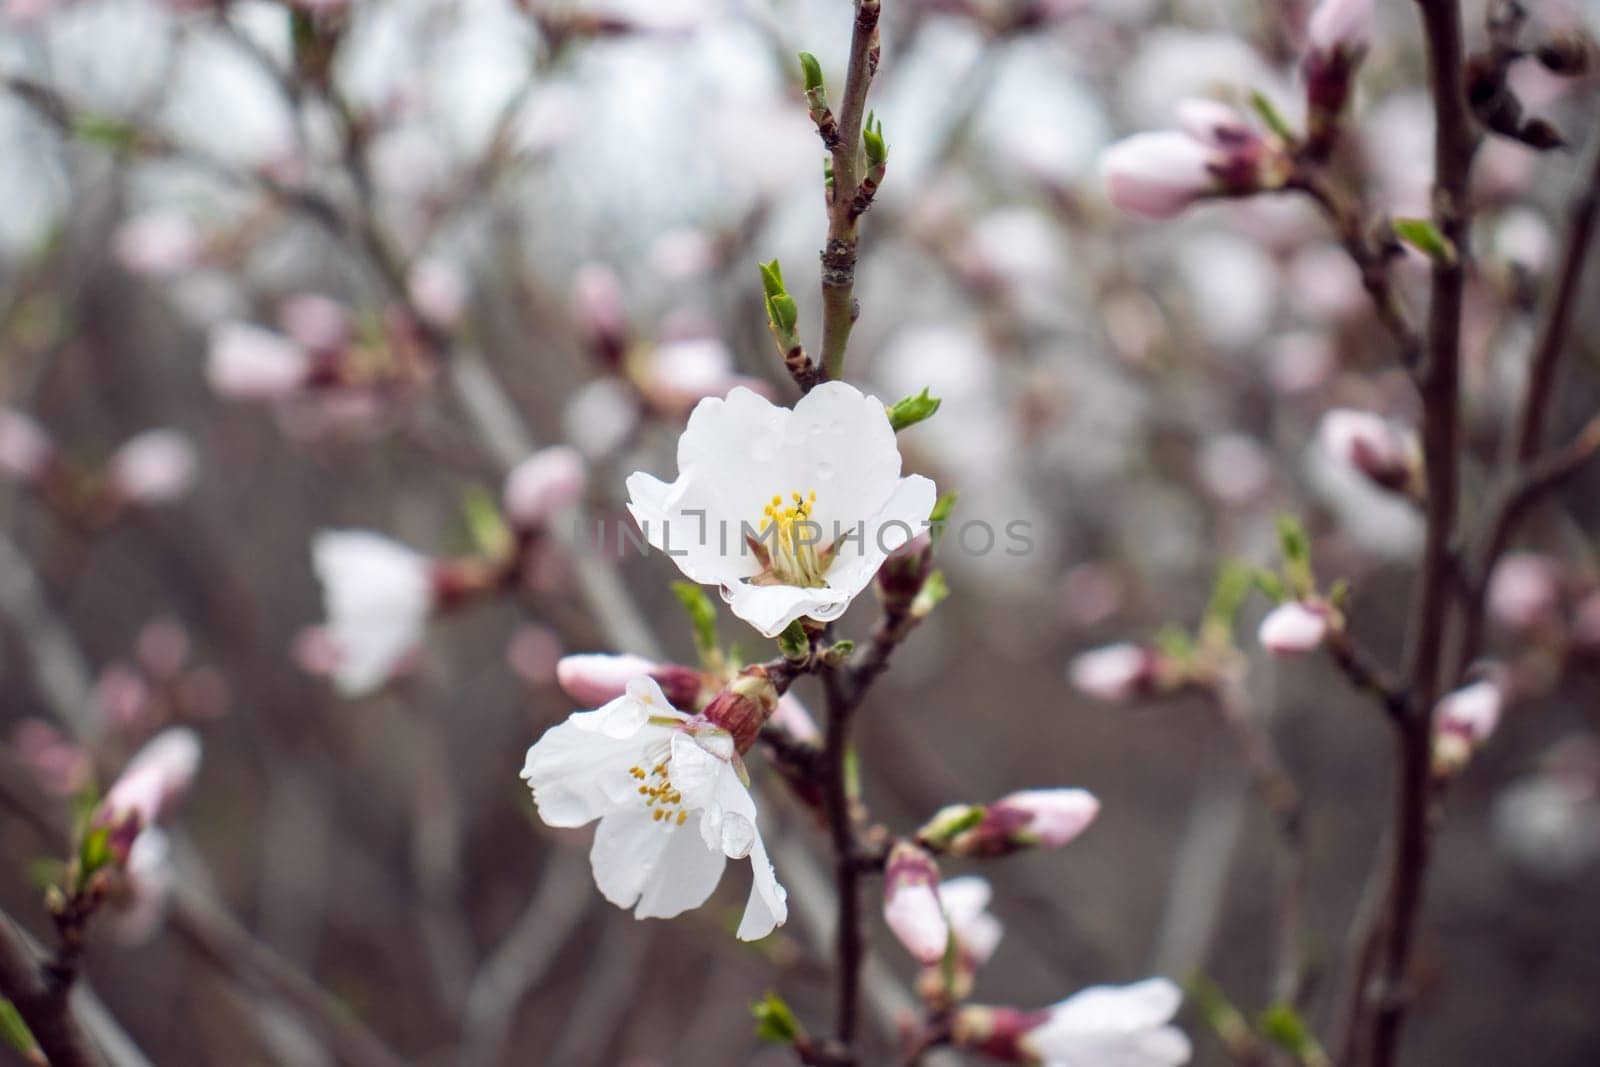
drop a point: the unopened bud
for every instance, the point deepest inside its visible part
(1462, 721)
(160, 244)
(155, 779)
(1294, 628)
(601, 316)
(911, 904)
(1369, 445)
(248, 363)
(1216, 153)
(543, 486)
(1047, 818)
(743, 705)
(595, 678)
(902, 575)
(1115, 673)
(1524, 591)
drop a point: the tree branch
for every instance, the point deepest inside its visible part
(43, 1001)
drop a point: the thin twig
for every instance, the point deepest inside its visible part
(43, 1001)
(839, 256)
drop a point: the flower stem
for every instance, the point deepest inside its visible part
(847, 871)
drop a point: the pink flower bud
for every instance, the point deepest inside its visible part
(25, 449)
(543, 486)
(1115, 673)
(599, 312)
(1293, 629)
(1213, 123)
(1524, 591)
(317, 322)
(155, 779)
(1048, 817)
(1367, 444)
(911, 904)
(682, 373)
(438, 291)
(153, 467)
(162, 244)
(594, 678)
(1340, 26)
(249, 363)
(998, 1033)
(1157, 174)
(1462, 721)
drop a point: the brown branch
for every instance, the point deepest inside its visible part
(1371, 258)
(43, 1000)
(1556, 316)
(1380, 985)
(839, 255)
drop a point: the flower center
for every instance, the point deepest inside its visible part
(790, 538)
(660, 797)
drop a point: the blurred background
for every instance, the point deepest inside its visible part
(490, 227)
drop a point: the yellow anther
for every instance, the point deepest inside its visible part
(658, 815)
(682, 815)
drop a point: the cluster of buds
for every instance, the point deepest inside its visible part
(149, 469)
(1214, 152)
(1337, 39)
(325, 371)
(1031, 818)
(1464, 720)
(944, 925)
(160, 686)
(1373, 448)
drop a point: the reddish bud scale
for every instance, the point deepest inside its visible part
(905, 571)
(457, 581)
(996, 1032)
(747, 702)
(997, 833)
(681, 685)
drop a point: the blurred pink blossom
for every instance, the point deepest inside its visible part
(534, 653)
(60, 767)
(1115, 673)
(911, 905)
(1368, 444)
(1524, 590)
(157, 776)
(544, 486)
(438, 290)
(318, 322)
(248, 363)
(25, 449)
(161, 244)
(153, 467)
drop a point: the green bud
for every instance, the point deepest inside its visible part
(872, 140)
(486, 525)
(939, 517)
(1425, 237)
(772, 278)
(949, 823)
(783, 313)
(1282, 1025)
(934, 591)
(838, 652)
(775, 1020)
(1296, 548)
(795, 643)
(811, 71)
(912, 409)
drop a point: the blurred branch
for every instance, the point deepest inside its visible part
(522, 958)
(41, 997)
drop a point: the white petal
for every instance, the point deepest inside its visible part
(902, 516)
(695, 772)
(964, 897)
(684, 521)
(767, 907)
(660, 866)
(1114, 1026)
(377, 594)
(771, 608)
(841, 444)
(579, 775)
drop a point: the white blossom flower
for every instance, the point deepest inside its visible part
(789, 512)
(1122, 1025)
(155, 778)
(377, 594)
(966, 903)
(669, 792)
